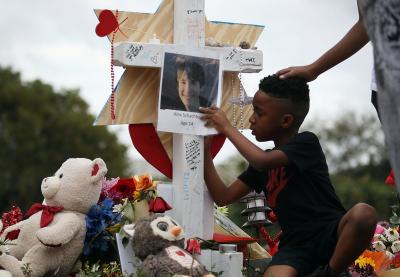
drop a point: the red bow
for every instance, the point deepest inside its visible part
(47, 214)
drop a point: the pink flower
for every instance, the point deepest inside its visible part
(379, 229)
(193, 246)
(158, 205)
(106, 185)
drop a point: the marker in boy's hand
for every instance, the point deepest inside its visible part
(216, 118)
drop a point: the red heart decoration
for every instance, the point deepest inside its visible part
(147, 142)
(216, 144)
(107, 23)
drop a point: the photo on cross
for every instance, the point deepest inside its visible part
(189, 80)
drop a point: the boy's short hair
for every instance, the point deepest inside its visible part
(293, 89)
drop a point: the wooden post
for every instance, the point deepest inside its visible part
(193, 206)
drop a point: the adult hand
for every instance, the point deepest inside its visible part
(215, 117)
(305, 71)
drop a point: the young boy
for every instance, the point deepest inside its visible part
(319, 236)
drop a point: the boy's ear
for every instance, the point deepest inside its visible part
(287, 120)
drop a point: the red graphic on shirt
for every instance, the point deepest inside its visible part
(276, 182)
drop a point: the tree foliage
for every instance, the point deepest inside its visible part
(352, 142)
(355, 151)
(41, 128)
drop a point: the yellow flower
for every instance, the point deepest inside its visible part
(363, 261)
(136, 195)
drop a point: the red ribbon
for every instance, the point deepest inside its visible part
(47, 214)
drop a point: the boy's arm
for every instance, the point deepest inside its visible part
(221, 194)
(256, 157)
(353, 41)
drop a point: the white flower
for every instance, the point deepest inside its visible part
(391, 234)
(117, 208)
(389, 254)
(378, 245)
(375, 237)
(382, 238)
(395, 246)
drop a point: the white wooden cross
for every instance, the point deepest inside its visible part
(192, 204)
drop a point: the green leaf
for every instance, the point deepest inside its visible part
(129, 212)
(395, 220)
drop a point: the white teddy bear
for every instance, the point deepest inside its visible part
(51, 239)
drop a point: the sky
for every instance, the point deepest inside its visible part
(55, 41)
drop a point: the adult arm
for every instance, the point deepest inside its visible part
(351, 43)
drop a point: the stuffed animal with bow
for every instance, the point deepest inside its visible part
(51, 239)
(158, 241)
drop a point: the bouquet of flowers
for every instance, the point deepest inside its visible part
(384, 251)
(386, 239)
(122, 201)
(382, 254)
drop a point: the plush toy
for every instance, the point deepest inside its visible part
(51, 239)
(158, 241)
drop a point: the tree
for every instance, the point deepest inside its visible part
(41, 128)
(356, 154)
(351, 141)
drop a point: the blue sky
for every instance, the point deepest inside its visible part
(55, 42)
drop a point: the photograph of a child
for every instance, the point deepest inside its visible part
(189, 80)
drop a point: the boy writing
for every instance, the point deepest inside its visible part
(319, 236)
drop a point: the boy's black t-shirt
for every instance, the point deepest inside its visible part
(300, 194)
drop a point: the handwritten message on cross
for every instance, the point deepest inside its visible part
(177, 23)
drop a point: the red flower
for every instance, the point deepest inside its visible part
(193, 246)
(12, 217)
(396, 261)
(124, 188)
(390, 179)
(158, 205)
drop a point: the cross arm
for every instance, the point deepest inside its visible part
(139, 54)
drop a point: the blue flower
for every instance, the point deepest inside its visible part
(98, 219)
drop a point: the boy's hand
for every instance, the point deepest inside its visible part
(215, 117)
(305, 72)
